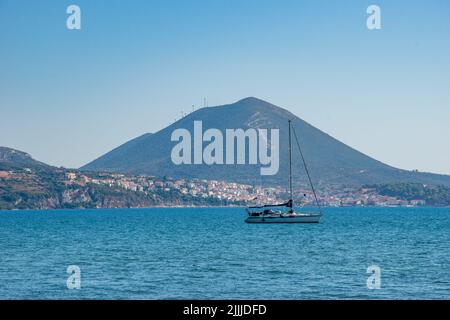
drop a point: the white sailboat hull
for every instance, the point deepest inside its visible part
(285, 218)
(262, 214)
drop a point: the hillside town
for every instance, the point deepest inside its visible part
(29, 184)
(230, 193)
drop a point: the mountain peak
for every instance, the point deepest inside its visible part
(259, 105)
(254, 102)
(251, 100)
(11, 155)
(329, 160)
(16, 157)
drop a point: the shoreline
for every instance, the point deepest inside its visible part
(215, 207)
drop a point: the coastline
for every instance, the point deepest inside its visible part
(215, 207)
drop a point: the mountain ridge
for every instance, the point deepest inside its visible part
(330, 160)
(14, 157)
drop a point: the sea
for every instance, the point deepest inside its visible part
(210, 253)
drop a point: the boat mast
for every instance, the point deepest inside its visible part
(290, 167)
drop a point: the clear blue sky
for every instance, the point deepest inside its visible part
(67, 97)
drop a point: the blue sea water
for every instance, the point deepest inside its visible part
(212, 254)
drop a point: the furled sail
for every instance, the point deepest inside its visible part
(286, 204)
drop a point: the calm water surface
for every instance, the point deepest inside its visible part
(213, 254)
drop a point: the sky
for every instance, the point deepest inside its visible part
(69, 96)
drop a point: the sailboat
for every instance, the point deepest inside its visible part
(273, 213)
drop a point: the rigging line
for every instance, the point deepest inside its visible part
(306, 169)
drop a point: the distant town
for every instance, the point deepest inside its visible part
(230, 193)
(28, 184)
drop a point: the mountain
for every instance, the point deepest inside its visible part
(330, 161)
(16, 157)
(12, 159)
